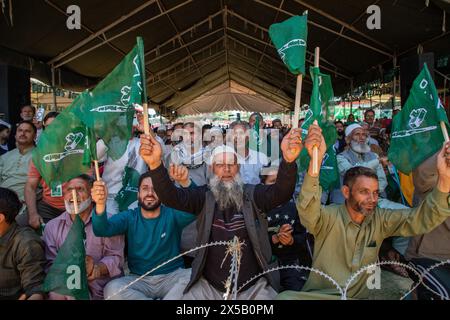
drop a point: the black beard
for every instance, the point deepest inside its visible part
(149, 208)
(358, 208)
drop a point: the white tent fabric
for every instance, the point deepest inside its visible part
(230, 96)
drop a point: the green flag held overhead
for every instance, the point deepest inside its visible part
(67, 275)
(416, 132)
(60, 151)
(90, 147)
(111, 105)
(320, 110)
(289, 38)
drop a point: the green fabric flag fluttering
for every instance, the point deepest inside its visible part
(289, 38)
(90, 147)
(320, 110)
(128, 194)
(67, 275)
(111, 106)
(60, 151)
(416, 132)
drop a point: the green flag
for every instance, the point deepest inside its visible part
(320, 109)
(90, 147)
(128, 194)
(416, 131)
(67, 275)
(329, 174)
(289, 38)
(60, 151)
(111, 105)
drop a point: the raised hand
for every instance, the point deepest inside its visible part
(150, 151)
(291, 146)
(443, 168)
(180, 174)
(315, 138)
(99, 194)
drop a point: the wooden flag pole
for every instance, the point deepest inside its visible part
(444, 131)
(146, 123)
(97, 171)
(298, 96)
(75, 201)
(315, 157)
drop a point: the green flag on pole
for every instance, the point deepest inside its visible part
(90, 147)
(329, 174)
(60, 151)
(416, 132)
(67, 275)
(320, 110)
(289, 38)
(112, 103)
(128, 194)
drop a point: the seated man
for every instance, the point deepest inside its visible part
(22, 257)
(190, 153)
(251, 162)
(348, 237)
(358, 154)
(153, 232)
(226, 208)
(14, 164)
(288, 239)
(104, 256)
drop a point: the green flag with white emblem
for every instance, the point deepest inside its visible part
(112, 103)
(289, 38)
(60, 153)
(416, 132)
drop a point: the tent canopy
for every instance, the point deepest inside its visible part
(194, 46)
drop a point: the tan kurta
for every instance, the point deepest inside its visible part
(342, 247)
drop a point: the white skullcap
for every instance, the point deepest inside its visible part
(6, 124)
(219, 150)
(161, 128)
(350, 128)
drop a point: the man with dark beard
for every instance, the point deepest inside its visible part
(340, 144)
(348, 237)
(153, 232)
(227, 208)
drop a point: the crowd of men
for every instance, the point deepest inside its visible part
(204, 184)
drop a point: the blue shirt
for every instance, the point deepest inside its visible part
(150, 241)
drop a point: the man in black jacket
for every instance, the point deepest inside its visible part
(227, 208)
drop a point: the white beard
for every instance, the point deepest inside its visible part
(360, 147)
(227, 194)
(81, 206)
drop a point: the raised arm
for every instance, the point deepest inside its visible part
(184, 199)
(433, 211)
(308, 204)
(271, 196)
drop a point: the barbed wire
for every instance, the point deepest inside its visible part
(374, 265)
(234, 248)
(203, 246)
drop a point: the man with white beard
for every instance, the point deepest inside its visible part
(358, 153)
(226, 208)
